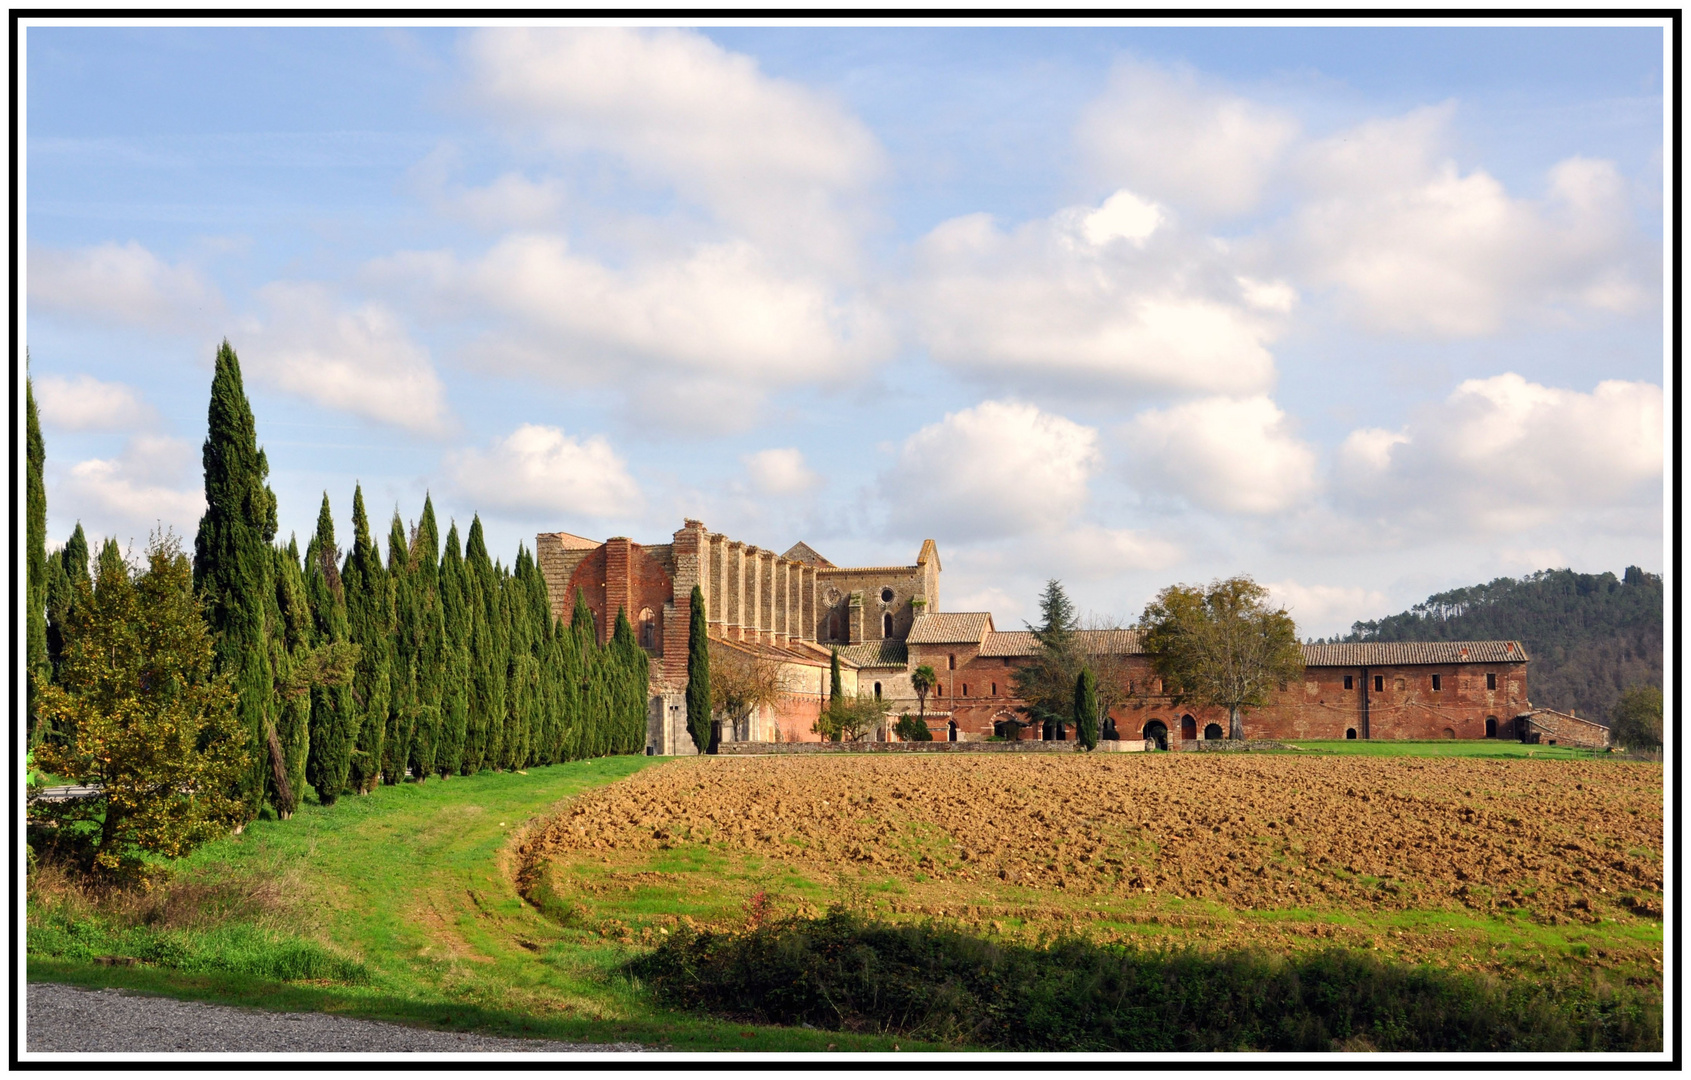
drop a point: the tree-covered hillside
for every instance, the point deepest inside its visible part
(1590, 636)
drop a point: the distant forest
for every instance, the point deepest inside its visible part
(1589, 636)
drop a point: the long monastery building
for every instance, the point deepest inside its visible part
(796, 608)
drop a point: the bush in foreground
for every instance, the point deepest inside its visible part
(843, 971)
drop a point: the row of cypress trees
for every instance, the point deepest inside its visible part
(352, 670)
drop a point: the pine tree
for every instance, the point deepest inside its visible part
(402, 700)
(1086, 709)
(369, 614)
(698, 672)
(334, 718)
(455, 684)
(38, 670)
(290, 648)
(232, 560)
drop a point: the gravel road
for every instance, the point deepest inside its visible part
(70, 1019)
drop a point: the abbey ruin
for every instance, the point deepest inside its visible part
(794, 609)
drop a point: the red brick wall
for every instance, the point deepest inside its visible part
(623, 575)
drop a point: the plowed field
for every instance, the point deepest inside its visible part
(1451, 858)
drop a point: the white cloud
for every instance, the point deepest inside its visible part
(1324, 610)
(512, 200)
(540, 470)
(773, 159)
(1002, 468)
(780, 472)
(715, 329)
(87, 404)
(1236, 455)
(1095, 551)
(124, 284)
(359, 360)
(1049, 306)
(1192, 146)
(1413, 244)
(1504, 454)
(151, 483)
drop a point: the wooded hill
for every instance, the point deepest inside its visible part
(1590, 636)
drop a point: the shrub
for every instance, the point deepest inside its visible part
(912, 729)
(844, 971)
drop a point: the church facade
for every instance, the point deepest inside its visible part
(795, 609)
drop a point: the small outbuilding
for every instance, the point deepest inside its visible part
(1561, 729)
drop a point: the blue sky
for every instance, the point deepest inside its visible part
(1365, 313)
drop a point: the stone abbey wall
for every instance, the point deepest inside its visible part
(885, 621)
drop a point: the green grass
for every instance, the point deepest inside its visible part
(1462, 748)
(404, 912)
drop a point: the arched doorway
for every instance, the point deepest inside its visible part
(1450, 733)
(951, 731)
(1212, 731)
(1048, 732)
(1350, 733)
(1156, 732)
(1188, 728)
(1109, 731)
(1062, 731)
(1491, 727)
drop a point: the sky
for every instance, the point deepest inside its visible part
(1364, 313)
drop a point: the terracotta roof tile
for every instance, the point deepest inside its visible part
(888, 652)
(1394, 653)
(951, 627)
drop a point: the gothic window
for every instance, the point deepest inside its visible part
(648, 629)
(951, 662)
(877, 691)
(886, 625)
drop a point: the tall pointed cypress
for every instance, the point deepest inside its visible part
(402, 704)
(455, 683)
(232, 558)
(369, 614)
(631, 667)
(523, 683)
(65, 568)
(584, 634)
(487, 655)
(290, 646)
(698, 672)
(38, 671)
(334, 719)
(427, 643)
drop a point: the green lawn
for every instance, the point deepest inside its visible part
(410, 882)
(1465, 748)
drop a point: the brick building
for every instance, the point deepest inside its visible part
(795, 608)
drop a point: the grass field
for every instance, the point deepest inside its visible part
(405, 905)
(410, 886)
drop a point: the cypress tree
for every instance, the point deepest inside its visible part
(334, 719)
(38, 670)
(698, 672)
(631, 671)
(487, 655)
(833, 676)
(65, 568)
(584, 634)
(428, 644)
(455, 685)
(520, 678)
(232, 559)
(369, 614)
(290, 647)
(402, 631)
(1086, 709)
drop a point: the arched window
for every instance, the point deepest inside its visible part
(886, 625)
(951, 662)
(877, 691)
(965, 690)
(1212, 731)
(833, 626)
(1491, 727)
(648, 629)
